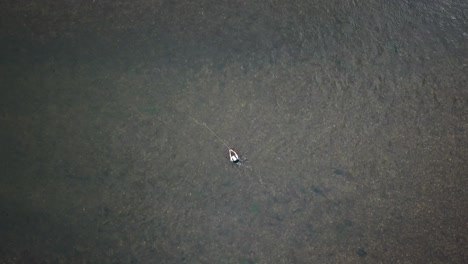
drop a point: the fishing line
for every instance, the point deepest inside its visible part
(204, 124)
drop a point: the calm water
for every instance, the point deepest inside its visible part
(353, 118)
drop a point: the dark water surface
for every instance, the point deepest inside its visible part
(353, 116)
